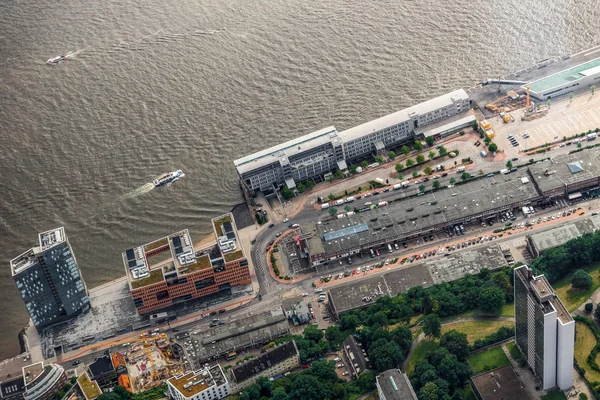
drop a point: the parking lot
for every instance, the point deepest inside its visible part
(565, 118)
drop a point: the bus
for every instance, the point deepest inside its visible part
(231, 356)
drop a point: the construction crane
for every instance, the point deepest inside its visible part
(528, 101)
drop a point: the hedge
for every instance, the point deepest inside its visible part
(501, 334)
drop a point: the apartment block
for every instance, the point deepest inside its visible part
(188, 273)
(49, 280)
(207, 383)
(544, 330)
(43, 382)
(316, 154)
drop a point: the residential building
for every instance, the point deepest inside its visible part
(276, 361)
(296, 310)
(103, 371)
(581, 76)
(356, 356)
(544, 330)
(394, 385)
(49, 280)
(12, 384)
(189, 273)
(43, 382)
(208, 383)
(316, 154)
(500, 383)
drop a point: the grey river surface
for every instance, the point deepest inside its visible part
(160, 85)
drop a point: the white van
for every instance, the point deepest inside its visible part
(339, 202)
(324, 206)
(460, 169)
(390, 248)
(350, 199)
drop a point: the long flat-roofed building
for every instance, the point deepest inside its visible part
(188, 273)
(537, 243)
(207, 383)
(394, 385)
(318, 153)
(567, 175)
(544, 330)
(43, 382)
(500, 383)
(407, 218)
(49, 280)
(577, 77)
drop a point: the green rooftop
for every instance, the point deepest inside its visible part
(569, 75)
(90, 389)
(156, 276)
(201, 263)
(218, 222)
(233, 256)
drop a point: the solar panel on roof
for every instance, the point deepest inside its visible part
(178, 250)
(230, 235)
(340, 233)
(177, 241)
(130, 254)
(227, 227)
(132, 263)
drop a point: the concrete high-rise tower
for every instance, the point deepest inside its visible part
(50, 281)
(544, 330)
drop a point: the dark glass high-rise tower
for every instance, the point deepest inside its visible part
(50, 281)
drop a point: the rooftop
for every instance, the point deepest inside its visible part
(500, 383)
(22, 262)
(404, 217)
(31, 372)
(182, 250)
(13, 367)
(286, 149)
(560, 235)
(555, 173)
(356, 355)
(227, 237)
(191, 383)
(101, 365)
(264, 361)
(90, 388)
(352, 295)
(154, 276)
(395, 385)
(448, 124)
(566, 76)
(52, 237)
(403, 115)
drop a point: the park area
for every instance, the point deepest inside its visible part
(573, 298)
(584, 343)
(476, 330)
(488, 359)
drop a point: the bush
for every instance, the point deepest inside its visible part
(501, 334)
(581, 280)
(589, 307)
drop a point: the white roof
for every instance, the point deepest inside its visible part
(452, 123)
(403, 115)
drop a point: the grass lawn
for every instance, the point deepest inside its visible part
(476, 329)
(424, 347)
(492, 358)
(573, 298)
(583, 346)
(555, 396)
(508, 310)
(514, 351)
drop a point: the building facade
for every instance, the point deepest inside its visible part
(296, 310)
(204, 384)
(544, 330)
(316, 154)
(49, 280)
(581, 76)
(43, 382)
(394, 385)
(274, 362)
(190, 273)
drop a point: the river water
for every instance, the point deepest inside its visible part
(157, 86)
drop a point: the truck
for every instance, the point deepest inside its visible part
(349, 199)
(397, 186)
(460, 169)
(379, 180)
(382, 204)
(340, 216)
(339, 202)
(324, 206)
(405, 183)
(592, 136)
(505, 171)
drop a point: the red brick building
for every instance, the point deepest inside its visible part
(187, 274)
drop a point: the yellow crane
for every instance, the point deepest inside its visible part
(528, 101)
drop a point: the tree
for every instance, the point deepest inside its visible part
(349, 321)
(279, 394)
(300, 187)
(436, 184)
(310, 185)
(333, 334)
(509, 164)
(431, 392)
(593, 89)
(464, 176)
(452, 181)
(582, 396)
(493, 147)
(491, 299)
(331, 196)
(399, 167)
(429, 140)
(352, 169)
(312, 332)
(122, 392)
(415, 174)
(333, 211)
(405, 150)
(364, 164)
(442, 150)
(410, 162)
(597, 314)
(339, 174)
(421, 188)
(420, 158)
(589, 307)
(418, 146)
(379, 159)
(392, 155)
(456, 343)
(432, 325)
(286, 193)
(366, 381)
(402, 335)
(427, 170)
(581, 280)
(347, 208)
(308, 387)
(385, 355)
(431, 155)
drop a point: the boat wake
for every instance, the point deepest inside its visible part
(139, 191)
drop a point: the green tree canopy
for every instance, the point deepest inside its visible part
(409, 162)
(442, 150)
(399, 167)
(431, 155)
(452, 181)
(436, 184)
(432, 326)
(581, 280)
(364, 164)
(418, 146)
(385, 355)
(421, 188)
(428, 170)
(405, 150)
(493, 147)
(464, 176)
(286, 193)
(456, 343)
(312, 332)
(491, 299)
(333, 211)
(509, 164)
(392, 155)
(415, 174)
(429, 140)
(379, 159)
(420, 158)
(352, 169)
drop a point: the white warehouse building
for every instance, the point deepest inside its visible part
(566, 81)
(316, 154)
